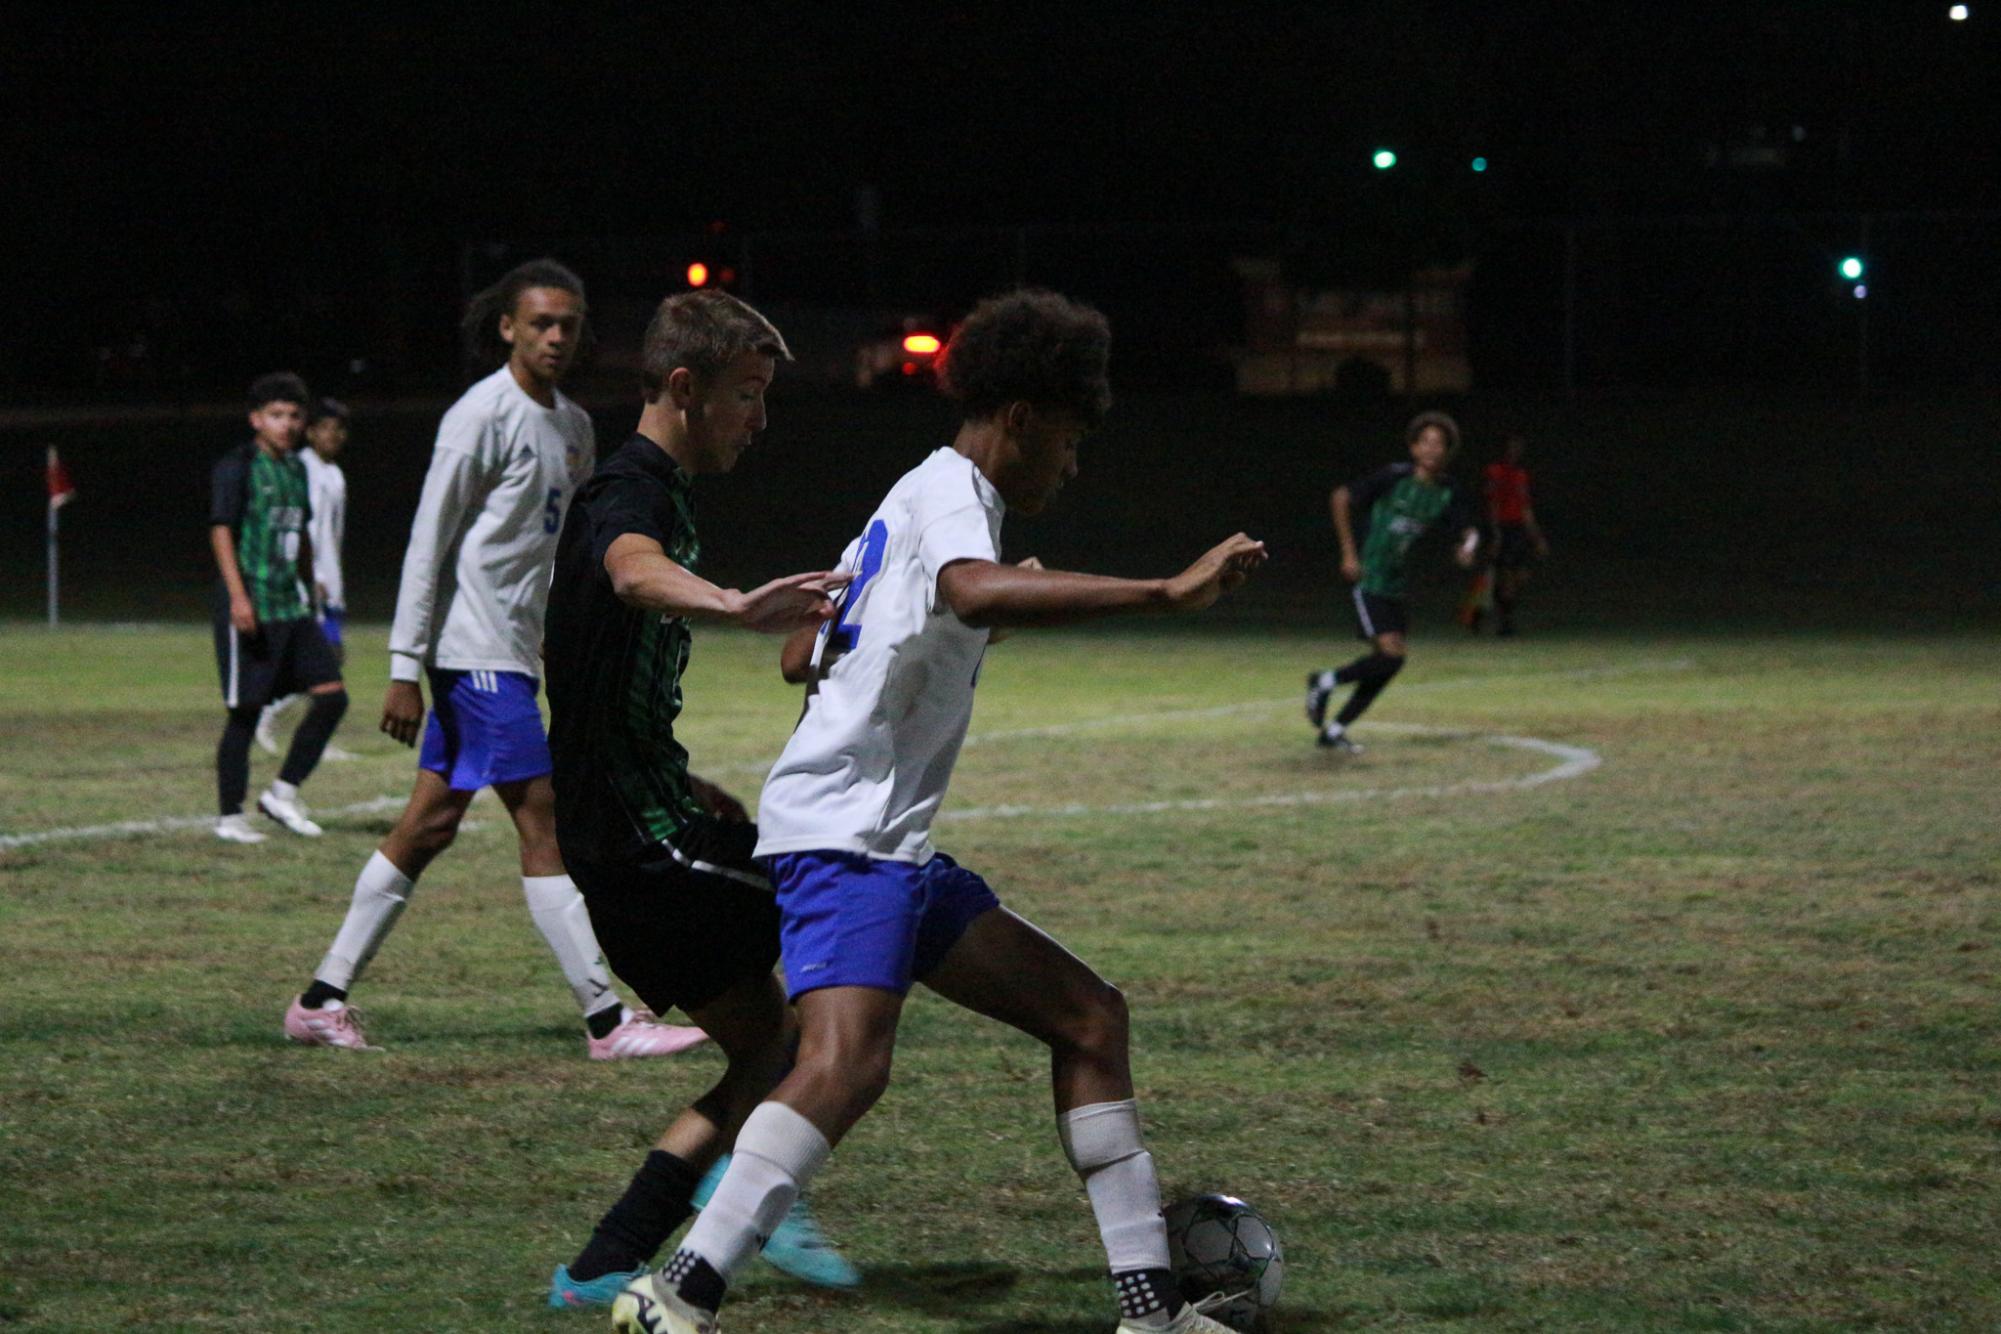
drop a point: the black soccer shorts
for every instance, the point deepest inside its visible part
(687, 926)
(282, 658)
(1379, 615)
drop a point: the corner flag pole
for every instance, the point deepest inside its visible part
(60, 493)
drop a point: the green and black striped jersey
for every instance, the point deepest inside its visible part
(1391, 508)
(263, 499)
(614, 672)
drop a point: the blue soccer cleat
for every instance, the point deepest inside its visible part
(798, 1247)
(569, 1294)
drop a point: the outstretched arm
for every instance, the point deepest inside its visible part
(987, 594)
(643, 576)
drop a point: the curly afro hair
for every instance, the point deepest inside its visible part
(1031, 346)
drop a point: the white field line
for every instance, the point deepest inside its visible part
(1572, 762)
(1575, 760)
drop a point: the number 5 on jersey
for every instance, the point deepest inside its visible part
(845, 631)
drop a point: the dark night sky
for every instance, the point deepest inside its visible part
(246, 156)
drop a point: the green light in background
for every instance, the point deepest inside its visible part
(1851, 268)
(1479, 164)
(1384, 159)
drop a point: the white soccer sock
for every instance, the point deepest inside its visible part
(560, 914)
(285, 791)
(1103, 1143)
(777, 1152)
(380, 893)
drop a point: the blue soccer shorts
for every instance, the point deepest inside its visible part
(846, 920)
(333, 623)
(485, 728)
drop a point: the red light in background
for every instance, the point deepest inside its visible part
(910, 368)
(728, 275)
(922, 344)
(698, 274)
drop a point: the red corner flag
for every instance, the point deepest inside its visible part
(60, 488)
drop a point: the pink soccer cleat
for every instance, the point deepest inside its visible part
(337, 1025)
(642, 1034)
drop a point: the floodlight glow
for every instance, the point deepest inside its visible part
(923, 344)
(1957, 13)
(1384, 159)
(1479, 164)
(1851, 268)
(698, 274)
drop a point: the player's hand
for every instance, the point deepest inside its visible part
(717, 802)
(788, 604)
(1222, 568)
(1351, 569)
(403, 711)
(243, 616)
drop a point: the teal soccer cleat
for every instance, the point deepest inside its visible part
(569, 1294)
(798, 1247)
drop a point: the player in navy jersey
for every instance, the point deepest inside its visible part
(867, 904)
(1377, 519)
(266, 642)
(663, 859)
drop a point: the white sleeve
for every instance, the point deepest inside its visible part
(959, 534)
(456, 482)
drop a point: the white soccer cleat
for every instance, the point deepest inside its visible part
(289, 812)
(337, 755)
(1190, 1321)
(650, 1306)
(236, 829)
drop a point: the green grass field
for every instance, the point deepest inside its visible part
(1703, 1037)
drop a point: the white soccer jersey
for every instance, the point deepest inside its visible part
(476, 575)
(867, 766)
(326, 486)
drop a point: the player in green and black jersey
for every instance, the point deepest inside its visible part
(266, 642)
(663, 859)
(1390, 508)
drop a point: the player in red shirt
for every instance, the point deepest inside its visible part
(1515, 534)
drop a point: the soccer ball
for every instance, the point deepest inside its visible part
(1226, 1258)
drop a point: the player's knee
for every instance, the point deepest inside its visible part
(1098, 1025)
(434, 831)
(855, 1075)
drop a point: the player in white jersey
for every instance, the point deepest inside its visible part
(326, 528)
(509, 455)
(866, 904)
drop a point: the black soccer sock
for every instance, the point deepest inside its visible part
(312, 737)
(319, 993)
(657, 1202)
(232, 760)
(1358, 670)
(695, 1280)
(600, 1023)
(1147, 1292)
(1370, 686)
(1505, 608)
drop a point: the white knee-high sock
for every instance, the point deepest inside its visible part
(1102, 1141)
(380, 895)
(560, 914)
(777, 1153)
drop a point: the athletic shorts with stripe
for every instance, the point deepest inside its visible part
(1378, 615)
(687, 926)
(280, 658)
(485, 728)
